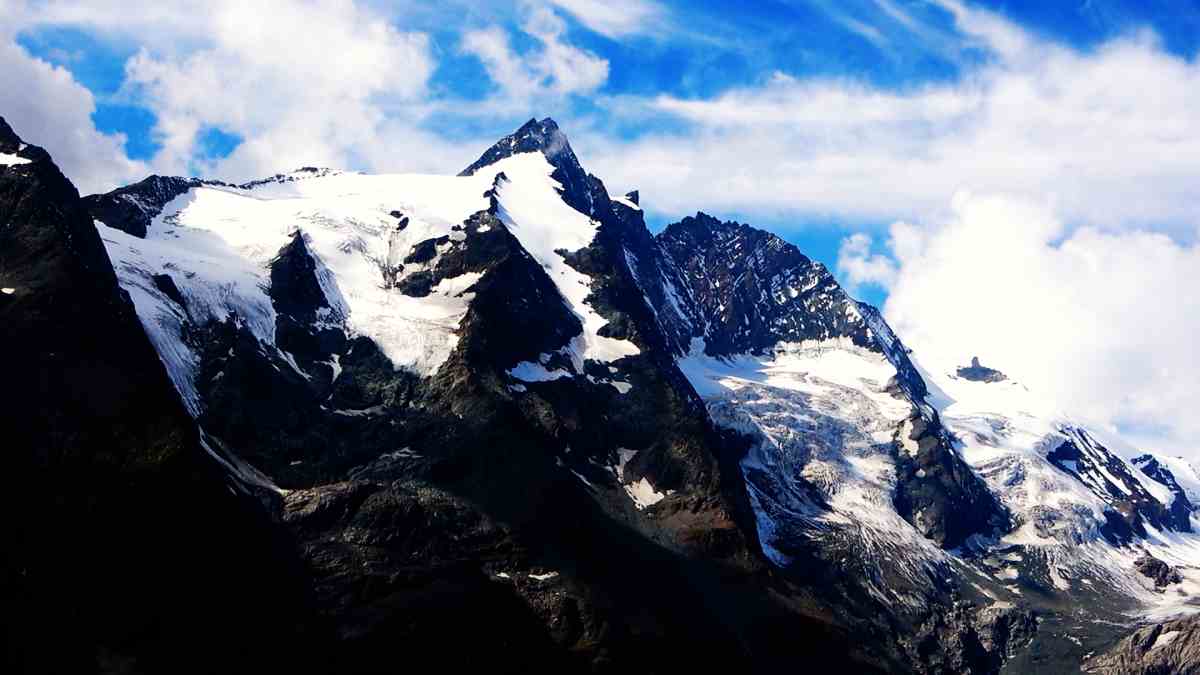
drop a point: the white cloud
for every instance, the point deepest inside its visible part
(47, 107)
(309, 82)
(556, 69)
(1113, 135)
(858, 267)
(504, 67)
(615, 19)
(303, 83)
(1104, 323)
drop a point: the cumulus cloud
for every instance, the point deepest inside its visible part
(1111, 134)
(1103, 323)
(303, 83)
(557, 68)
(46, 106)
(311, 82)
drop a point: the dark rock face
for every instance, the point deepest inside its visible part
(1169, 648)
(1181, 507)
(969, 640)
(129, 549)
(1132, 505)
(132, 208)
(939, 494)
(295, 288)
(1159, 572)
(752, 289)
(978, 373)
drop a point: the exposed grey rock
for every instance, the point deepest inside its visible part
(970, 640)
(978, 373)
(1159, 572)
(132, 208)
(1182, 506)
(1131, 505)
(1168, 648)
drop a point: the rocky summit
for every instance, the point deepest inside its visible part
(330, 422)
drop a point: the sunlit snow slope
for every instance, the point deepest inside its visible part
(218, 241)
(1082, 509)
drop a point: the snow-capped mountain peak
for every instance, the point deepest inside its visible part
(579, 190)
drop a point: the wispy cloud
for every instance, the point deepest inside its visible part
(616, 19)
(1112, 135)
(539, 76)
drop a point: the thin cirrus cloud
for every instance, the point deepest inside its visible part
(615, 20)
(1111, 135)
(555, 68)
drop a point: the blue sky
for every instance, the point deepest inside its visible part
(1053, 145)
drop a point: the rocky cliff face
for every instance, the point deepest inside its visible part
(1167, 647)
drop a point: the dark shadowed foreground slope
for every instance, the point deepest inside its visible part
(127, 547)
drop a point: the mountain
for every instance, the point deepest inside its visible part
(491, 419)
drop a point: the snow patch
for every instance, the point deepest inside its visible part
(822, 465)
(529, 371)
(643, 494)
(621, 387)
(626, 202)
(623, 457)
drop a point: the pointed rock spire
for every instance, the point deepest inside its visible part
(545, 137)
(533, 136)
(9, 141)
